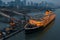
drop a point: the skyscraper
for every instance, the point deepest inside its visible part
(32, 4)
(24, 2)
(12, 3)
(28, 3)
(17, 3)
(0, 2)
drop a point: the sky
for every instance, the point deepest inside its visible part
(57, 2)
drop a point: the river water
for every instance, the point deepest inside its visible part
(51, 32)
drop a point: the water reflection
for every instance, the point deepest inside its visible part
(38, 35)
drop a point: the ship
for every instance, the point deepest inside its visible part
(39, 21)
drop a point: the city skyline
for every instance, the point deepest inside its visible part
(34, 1)
(53, 1)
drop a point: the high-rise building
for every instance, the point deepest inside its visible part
(17, 2)
(3, 4)
(24, 2)
(36, 4)
(43, 3)
(32, 4)
(0, 2)
(12, 3)
(28, 3)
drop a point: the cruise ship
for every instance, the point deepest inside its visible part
(39, 21)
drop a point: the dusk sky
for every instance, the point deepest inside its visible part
(54, 1)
